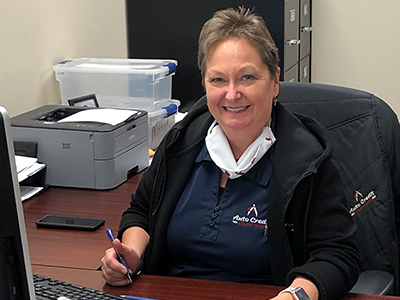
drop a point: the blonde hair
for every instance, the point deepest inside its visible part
(238, 23)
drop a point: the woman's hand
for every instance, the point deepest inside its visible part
(135, 241)
(307, 285)
(283, 296)
(113, 271)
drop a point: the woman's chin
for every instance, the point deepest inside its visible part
(235, 125)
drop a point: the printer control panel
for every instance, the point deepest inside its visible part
(57, 114)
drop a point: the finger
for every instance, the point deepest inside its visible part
(111, 263)
(119, 246)
(112, 276)
(127, 253)
(115, 280)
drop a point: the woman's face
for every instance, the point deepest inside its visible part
(239, 87)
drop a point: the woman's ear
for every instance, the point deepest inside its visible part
(277, 84)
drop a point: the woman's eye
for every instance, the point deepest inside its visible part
(217, 80)
(249, 77)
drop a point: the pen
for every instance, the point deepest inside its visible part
(120, 258)
(135, 298)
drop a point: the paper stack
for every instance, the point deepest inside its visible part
(27, 167)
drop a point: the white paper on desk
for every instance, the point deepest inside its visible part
(101, 115)
(29, 171)
(29, 191)
(24, 162)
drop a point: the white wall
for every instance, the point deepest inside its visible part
(36, 35)
(356, 43)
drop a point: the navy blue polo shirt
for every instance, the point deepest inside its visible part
(221, 234)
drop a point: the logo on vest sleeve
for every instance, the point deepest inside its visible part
(361, 201)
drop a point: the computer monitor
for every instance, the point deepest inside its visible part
(16, 282)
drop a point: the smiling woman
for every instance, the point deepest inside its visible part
(241, 189)
(240, 91)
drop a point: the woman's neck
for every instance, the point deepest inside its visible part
(240, 141)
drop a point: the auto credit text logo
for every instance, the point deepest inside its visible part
(250, 218)
(361, 201)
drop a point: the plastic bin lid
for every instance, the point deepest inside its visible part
(166, 109)
(116, 65)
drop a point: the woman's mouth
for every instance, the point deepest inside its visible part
(236, 109)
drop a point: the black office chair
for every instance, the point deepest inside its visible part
(366, 138)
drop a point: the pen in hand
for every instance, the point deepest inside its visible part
(119, 256)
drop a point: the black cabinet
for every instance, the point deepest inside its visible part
(170, 30)
(305, 38)
(296, 30)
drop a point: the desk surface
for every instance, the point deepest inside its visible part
(160, 287)
(74, 256)
(168, 288)
(72, 248)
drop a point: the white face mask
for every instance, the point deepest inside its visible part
(221, 153)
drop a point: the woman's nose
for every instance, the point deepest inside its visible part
(232, 92)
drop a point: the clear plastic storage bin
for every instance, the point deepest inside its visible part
(161, 120)
(124, 83)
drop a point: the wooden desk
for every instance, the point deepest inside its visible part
(74, 256)
(71, 248)
(169, 288)
(160, 287)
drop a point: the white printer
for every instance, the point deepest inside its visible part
(84, 154)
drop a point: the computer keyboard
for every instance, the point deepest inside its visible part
(50, 289)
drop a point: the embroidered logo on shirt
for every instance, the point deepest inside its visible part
(252, 208)
(250, 219)
(361, 201)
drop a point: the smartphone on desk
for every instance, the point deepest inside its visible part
(66, 222)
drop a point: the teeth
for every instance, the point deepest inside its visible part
(235, 109)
